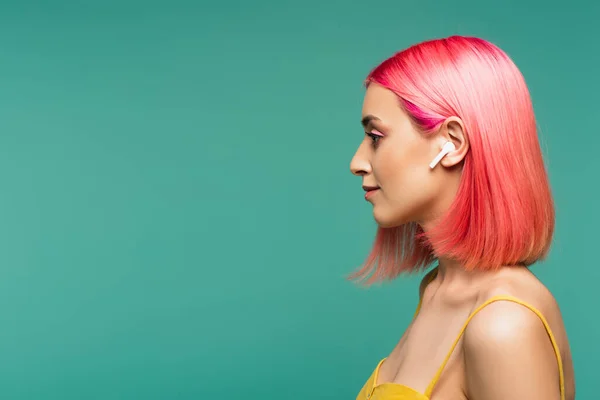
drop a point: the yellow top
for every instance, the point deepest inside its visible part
(396, 391)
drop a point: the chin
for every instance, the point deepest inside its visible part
(388, 220)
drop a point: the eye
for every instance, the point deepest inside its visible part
(374, 135)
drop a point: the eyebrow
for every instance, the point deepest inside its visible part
(367, 120)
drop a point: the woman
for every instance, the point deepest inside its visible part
(453, 168)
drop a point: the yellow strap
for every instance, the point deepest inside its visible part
(491, 300)
(418, 308)
(431, 277)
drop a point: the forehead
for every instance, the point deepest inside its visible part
(381, 102)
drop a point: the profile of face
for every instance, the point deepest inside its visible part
(393, 160)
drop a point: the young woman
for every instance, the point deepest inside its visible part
(452, 166)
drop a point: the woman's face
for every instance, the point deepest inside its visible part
(394, 157)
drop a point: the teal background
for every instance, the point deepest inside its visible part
(177, 213)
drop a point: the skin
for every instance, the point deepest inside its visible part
(505, 352)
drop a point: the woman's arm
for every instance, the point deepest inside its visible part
(509, 355)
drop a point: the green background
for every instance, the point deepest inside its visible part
(177, 213)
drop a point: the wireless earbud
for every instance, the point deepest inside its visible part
(447, 148)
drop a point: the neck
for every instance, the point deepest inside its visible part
(452, 273)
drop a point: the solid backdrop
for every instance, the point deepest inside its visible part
(177, 211)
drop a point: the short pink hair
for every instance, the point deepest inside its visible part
(503, 213)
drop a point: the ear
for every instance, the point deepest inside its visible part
(453, 130)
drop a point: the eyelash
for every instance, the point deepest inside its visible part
(375, 138)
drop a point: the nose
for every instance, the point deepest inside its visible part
(360, 164)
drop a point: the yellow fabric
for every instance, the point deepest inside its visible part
(396, 391)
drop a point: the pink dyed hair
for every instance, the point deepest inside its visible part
(503, 213)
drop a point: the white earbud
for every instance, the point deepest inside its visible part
(448, 147)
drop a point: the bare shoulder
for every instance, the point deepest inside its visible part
(507, 344)
(523, 285)
(512, 321)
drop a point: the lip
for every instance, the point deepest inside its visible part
(369, 188)
(370, 191)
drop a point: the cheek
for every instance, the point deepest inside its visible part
(395, 168)
(407, 187)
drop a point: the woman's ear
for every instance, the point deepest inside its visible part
(453, 130)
